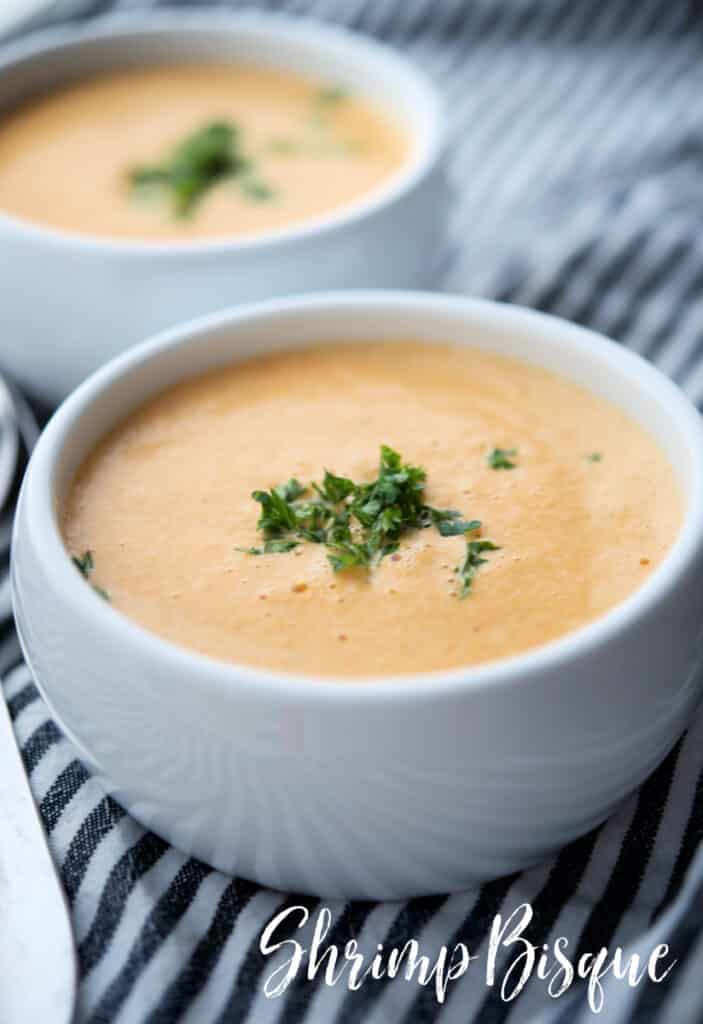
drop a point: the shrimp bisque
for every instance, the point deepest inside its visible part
(193, 151)
(365, 510)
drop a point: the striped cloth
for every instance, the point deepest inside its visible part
(577, 157)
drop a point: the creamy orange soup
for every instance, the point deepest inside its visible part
(580, 501)
(76, 159)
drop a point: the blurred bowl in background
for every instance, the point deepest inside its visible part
(71, 302)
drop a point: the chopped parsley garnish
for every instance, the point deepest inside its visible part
(204, 159)
(85, 565)
(279, 547)
(271, 547)
(256, 189)
(450, 526)
(594, 457)
(360, 523)
(472, 562)
(331, 96)
(290, 491)
(502, 458)
(324, 103)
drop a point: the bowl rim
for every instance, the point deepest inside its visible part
(39, 514)
(426, 151)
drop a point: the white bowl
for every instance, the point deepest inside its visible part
(70, 302)
(386, 787)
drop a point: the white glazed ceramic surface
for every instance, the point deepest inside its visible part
(381, 788)
(72, 302)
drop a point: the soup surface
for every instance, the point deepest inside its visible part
(128, 154)
(579, 500)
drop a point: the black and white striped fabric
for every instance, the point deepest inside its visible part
(577, 159)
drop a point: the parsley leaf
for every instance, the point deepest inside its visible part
(290, 491)
(472, 562)
(334, 488)
(256, 189)
(279, 547)
(348, 555)
(85, 565)
(271, 547)
(450, 523)
(277, 515)
(331, 96)
(501, 458)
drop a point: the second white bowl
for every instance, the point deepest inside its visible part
(71, 302)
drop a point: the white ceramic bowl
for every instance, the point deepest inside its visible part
(380, 788)
(70, 302)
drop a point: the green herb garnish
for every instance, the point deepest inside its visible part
(271, 547)
(256, 190)
(359, 523)
(279, 547)
(594, 457)
(85, 565)
(331, 96)
(502, 458)
(451, 525)
(472, 562)
(204, 159)
(324, 102)
(292, 490)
